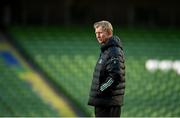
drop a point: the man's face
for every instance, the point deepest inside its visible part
(101, 35)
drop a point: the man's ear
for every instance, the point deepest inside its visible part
(109, 32)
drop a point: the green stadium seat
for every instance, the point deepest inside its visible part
(69, 59)
(17, 98)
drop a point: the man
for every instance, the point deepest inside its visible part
(108, 84)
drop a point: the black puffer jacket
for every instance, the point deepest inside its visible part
(108, 84)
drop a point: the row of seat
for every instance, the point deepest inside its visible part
(69, 60)
(76, 75)
(17, 97)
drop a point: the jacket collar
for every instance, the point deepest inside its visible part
(113, 41)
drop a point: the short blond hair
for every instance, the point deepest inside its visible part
(106, 25)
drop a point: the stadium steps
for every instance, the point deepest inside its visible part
(24, 92)
(17, 98)
(69, 58)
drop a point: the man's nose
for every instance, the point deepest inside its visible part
(98, 35)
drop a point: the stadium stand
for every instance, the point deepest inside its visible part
(16, 96)
(24, 71)
(68, 57)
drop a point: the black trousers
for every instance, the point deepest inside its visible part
(108, 111)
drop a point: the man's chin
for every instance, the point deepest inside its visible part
(100, 42)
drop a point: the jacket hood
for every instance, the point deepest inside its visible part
(113, 41)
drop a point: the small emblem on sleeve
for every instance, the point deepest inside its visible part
(100, 61)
